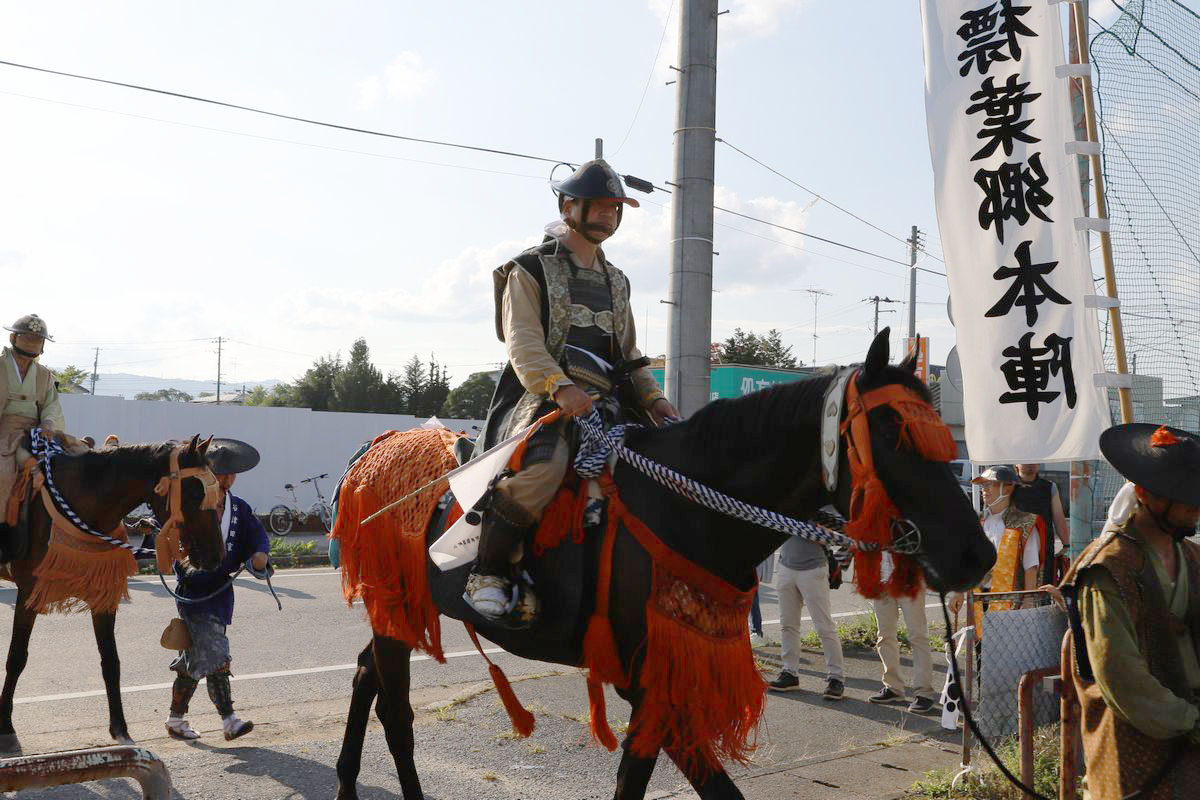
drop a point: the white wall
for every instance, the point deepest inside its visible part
(295, 443)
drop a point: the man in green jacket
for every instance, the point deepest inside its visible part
(1136, 615)
(28, 399)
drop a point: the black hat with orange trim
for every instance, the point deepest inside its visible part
(1162, 460)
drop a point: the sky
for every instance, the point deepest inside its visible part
(147, 226)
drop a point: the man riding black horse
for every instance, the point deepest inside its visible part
(559, 307)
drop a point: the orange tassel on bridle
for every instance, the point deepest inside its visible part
(871, 509)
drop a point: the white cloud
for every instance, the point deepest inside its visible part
(406, 77)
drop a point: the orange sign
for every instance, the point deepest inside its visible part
(921, 344)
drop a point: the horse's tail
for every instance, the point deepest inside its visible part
(383, 560)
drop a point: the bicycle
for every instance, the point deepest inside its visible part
(283, 517)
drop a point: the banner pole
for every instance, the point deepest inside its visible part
(1079, 18)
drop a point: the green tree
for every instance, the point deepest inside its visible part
(166, 395)
(747, 347)
(359, 385)
(409, 386)
(471, 398)
(69, 375)
(316, 388)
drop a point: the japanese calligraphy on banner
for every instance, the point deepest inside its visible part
(1008, 198)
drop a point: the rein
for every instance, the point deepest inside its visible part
(599, 445)
(1150, 786)
(59, 509)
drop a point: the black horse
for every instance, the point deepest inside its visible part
(763, 449)
(102, 487)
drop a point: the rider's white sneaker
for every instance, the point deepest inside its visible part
(178, 728)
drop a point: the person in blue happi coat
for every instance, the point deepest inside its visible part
(206, 654)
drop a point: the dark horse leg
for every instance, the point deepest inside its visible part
(633, 775)
(104, 626)
(366, 687)
(395, 711)
(18, 655)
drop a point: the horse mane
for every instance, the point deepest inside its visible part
(736, 430)
(134, 460)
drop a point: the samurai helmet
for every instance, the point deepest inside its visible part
(30, 323)
(595, 180)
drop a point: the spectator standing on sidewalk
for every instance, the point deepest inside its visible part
(1040, 496)
(804, 580)
(887, 645)
(764, 573)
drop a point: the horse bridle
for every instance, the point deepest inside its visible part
(171, 487)
(905, 534)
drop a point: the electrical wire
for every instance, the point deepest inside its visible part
(814, 193)
(278, 115)
(270, 138)
(808, 235)
(650, 77)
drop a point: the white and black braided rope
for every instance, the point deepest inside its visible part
(598, 445)
(45, 449)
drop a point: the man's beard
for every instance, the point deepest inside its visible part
(24, 353)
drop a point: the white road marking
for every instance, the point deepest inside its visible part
(150, 687)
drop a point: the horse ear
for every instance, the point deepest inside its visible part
(193, 444)
(204, 445)
(877, 355)
(910, 362)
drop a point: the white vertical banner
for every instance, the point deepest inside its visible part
(1009, 212)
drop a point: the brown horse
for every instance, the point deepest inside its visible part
(102, 487)
(763, 449)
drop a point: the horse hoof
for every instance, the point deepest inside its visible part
(124, 740)
(10, 744)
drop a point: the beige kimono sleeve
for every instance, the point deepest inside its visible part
(51, 415)
(525, 338)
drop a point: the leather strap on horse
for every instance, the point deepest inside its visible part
(168, 545)
(871, 510)
(522, 720)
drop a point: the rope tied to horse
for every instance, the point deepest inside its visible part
(598, 446)
(44, 449)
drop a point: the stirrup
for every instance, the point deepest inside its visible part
(509, 604)
(181, 730)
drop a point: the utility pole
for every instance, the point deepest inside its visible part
(95, 367)
(816, 295)
(219, 341)
(914, 244)
(689, 323)
(877, 300)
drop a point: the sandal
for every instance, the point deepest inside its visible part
(181, 730)
(236, 728)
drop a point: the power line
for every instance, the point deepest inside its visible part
(810, 191)
(277, 115)
(269, 138)
(809, 235)
(816, 194)
(650, 77)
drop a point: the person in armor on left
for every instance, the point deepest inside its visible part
(562, 311)
(28, 399)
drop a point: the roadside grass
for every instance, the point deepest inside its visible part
(282, 548)
(860, 633)
(990, 784)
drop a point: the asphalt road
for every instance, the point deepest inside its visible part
(292, 672)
